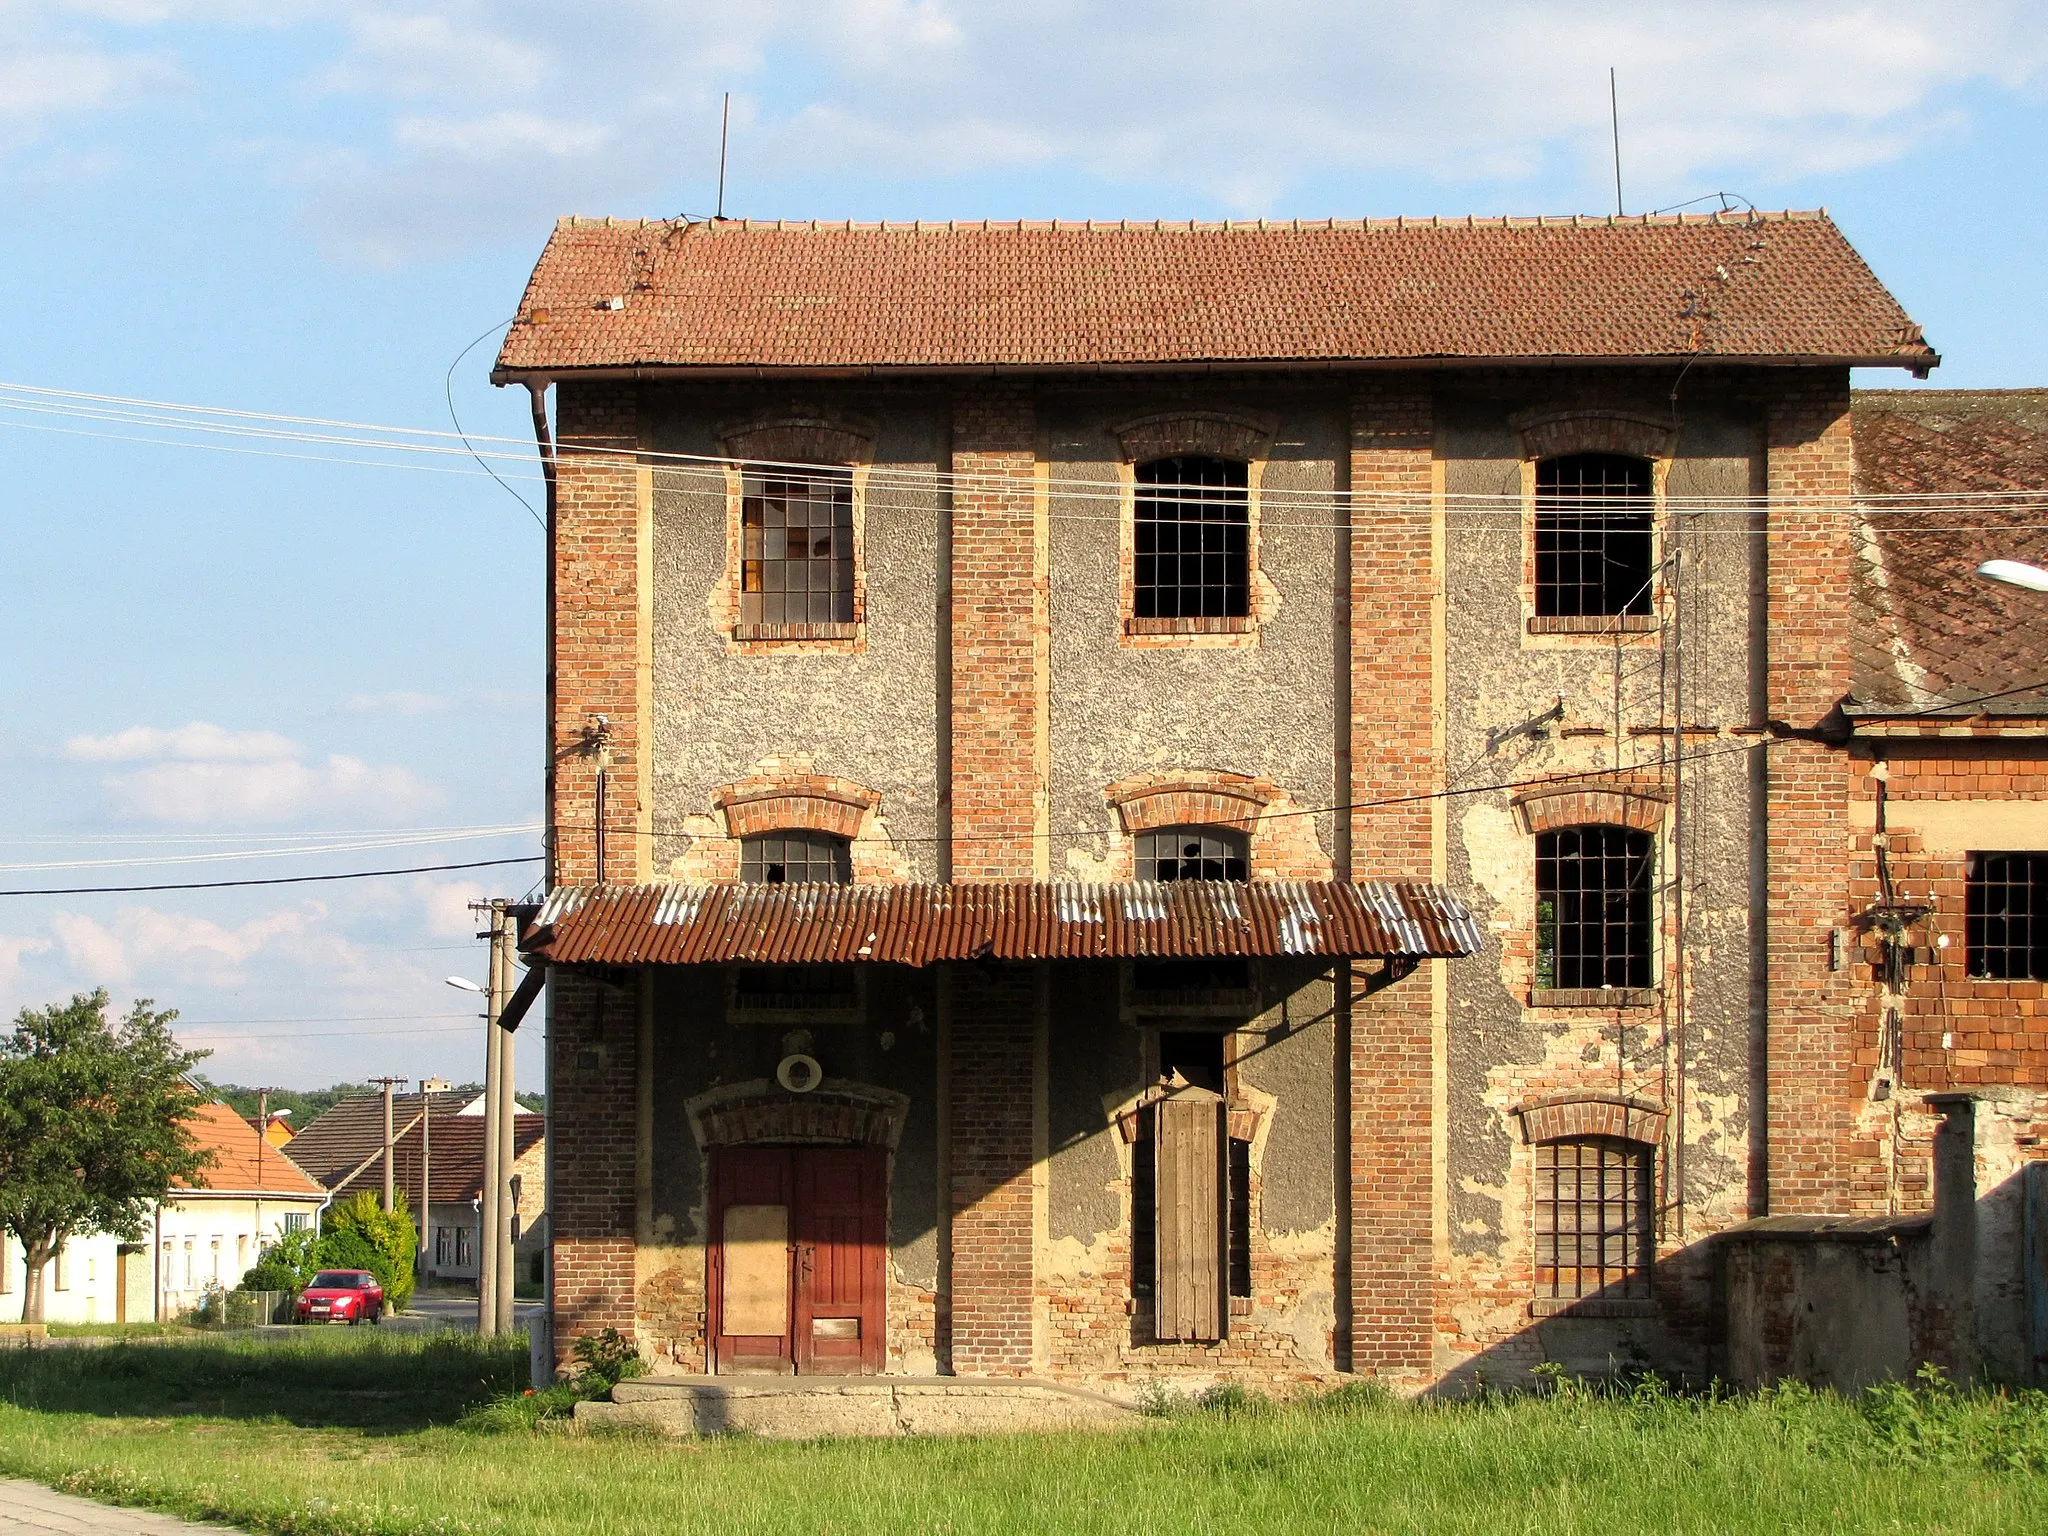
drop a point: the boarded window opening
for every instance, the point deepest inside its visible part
(1594, 1209)
(1192, 1199)
(1592, 536)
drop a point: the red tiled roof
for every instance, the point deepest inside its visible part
(1935, 633)
(921, 924)
(234, 1143)
(1054, 296)
(455, 1158)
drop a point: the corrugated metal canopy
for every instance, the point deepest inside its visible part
(922, 924)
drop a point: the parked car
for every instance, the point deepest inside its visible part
(341, 1296)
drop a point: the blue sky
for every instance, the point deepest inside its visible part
(312, 209)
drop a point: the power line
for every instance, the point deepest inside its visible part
(293, 851)
(220, 885)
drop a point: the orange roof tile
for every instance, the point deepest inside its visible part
(234, 1143)
(939, 297)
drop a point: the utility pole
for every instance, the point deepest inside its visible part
(491, 1216)
(429, 1086)
(505, 979)
(389, 1188)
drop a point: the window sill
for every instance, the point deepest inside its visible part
(797, 632)
(1594, 997)
(1592, 1307)
(1231, 626)
(1594, 624)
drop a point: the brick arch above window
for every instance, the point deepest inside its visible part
(1551, 434)
(800, 439)
(837, 1113)
(1567, 1115)
(800, 802)
(1147, 803)
(1223, 434)
(1591, 803)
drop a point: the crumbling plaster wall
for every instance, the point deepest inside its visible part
(1285, 1067)
(1502, 1052)
(1262, 704)
(871, 716)
(697, 1047)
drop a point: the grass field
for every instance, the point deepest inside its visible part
(337, 1434)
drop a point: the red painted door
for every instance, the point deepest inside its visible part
(840, 1210)
(796, 1259)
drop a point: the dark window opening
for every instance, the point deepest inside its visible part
(1193, 539)
(1193, 853)
(1240, 1217)
(2005, 920)
(1196, 1054)
(795, 988)
(1144, 1204)
(1592, 536)
(795, 858)
(1593, 1218)
(796, 556)
(1192, 975)
(1593, 925)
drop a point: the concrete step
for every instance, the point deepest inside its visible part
(810, 1408)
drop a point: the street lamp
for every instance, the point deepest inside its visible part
(469, 986)
(2015, 573)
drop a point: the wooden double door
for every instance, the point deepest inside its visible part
(798, 1248)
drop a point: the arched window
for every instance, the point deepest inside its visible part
(1192, 539)
(1593, 1218)
(1592, 536)
(1593, 923)
(795, 858)
(1193, 853)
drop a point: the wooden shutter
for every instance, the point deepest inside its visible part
(1191, 1191)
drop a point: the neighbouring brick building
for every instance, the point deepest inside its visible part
(1222, 800)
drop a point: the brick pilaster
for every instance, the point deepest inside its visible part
(1393, 753)
(590, 1207)
(597, 635)
(993, 1030)
(999, 619)
(1818, 1160)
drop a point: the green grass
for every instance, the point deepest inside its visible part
(344, 1435)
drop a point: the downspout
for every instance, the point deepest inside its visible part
(537, 394)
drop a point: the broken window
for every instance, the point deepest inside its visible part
(1593, 1215)
(1592, 536)
(1593, 925)
(1193, 539)
(795, 858)
(796, 557)
(1193, 853)
(2005, 920)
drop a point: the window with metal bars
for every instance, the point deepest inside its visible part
(2005, 916)
(796, 556)
(1193, 539)
(1592, 536)
(795, 858)
(1193, 853)
(1593, 908)
(1594, 1209)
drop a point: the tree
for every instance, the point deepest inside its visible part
(361, 1234)
(92, 1126)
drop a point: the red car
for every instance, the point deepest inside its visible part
(342, 1296)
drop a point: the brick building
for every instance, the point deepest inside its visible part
(1159, 800)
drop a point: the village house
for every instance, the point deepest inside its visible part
(437, 1165)
(203, 1236)
(1138, 802)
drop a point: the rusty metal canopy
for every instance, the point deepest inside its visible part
(922, 924)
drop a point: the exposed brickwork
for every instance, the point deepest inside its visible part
(993, 1213)
(1283, 841)
(597, 629)
(1820, 1159)
(1592, 1115)
(1601, 803)
(999, 639)
(1393, 754)
(591, 1036)
(1221, 433)
(1552, 433)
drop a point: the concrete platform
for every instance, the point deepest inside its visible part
(811, 1408)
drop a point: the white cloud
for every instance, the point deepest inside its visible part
(172, 946)
(12, 948)
(201, 773)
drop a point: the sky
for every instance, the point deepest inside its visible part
(310, 209)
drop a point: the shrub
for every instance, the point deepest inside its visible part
(286, 1265)
(607, 1357)
(362, 1235)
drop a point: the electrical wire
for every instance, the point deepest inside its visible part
(221, 885)
(296, 851)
